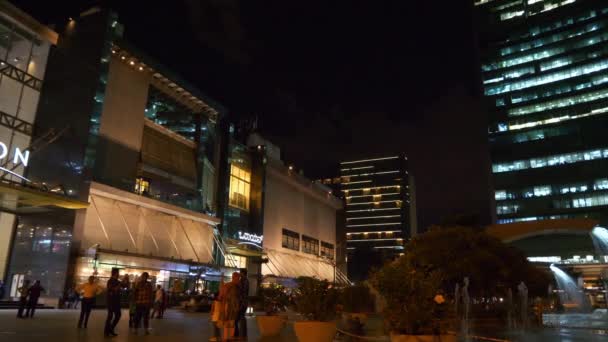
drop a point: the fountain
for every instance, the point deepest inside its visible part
(522, 292)
(510, 310)
(466, 305)
(599, 236)
(570, 294)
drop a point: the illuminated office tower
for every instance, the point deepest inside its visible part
(377, 211)
(544, 67)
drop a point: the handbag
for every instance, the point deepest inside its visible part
(216, 311)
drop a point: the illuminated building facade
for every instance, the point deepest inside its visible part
(544, 67)
(377, 213)
(132, 165)
(276, 222)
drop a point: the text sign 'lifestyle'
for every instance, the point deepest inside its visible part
(251, 237)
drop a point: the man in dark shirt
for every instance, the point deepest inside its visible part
(143, 295)
(240, 330)
(113, 287)
(34, 293)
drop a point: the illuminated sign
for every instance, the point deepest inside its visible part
(19, 157)
(251, 237)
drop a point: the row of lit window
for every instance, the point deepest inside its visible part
(560, 103)
(547, 6)
(397, 203)
(555, 160)
(548, 190)
(578, 202)
(384, 235)
(502, 127)
(291, 240)
(554, 89)
(554, 63)
(536, 30)
(515, 73)
(537, 134)
(550, 39)
(549, 78)
(535, 218)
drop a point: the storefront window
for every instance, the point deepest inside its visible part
(240, 184)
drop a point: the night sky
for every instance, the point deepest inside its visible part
(333, 80)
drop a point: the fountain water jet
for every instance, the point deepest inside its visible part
(569, 292)
(599, 236)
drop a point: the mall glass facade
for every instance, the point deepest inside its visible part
(24, 50)
(148, 176)
(544, 67)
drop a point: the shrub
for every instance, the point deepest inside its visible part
(316, 299)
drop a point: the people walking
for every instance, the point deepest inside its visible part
(89, 291)
(113, 288)
(33, 293)
(23, 290)
(240, 330)
(144, 296)
(229, 301)
(159, 302)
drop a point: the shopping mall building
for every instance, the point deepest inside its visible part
(109, 159)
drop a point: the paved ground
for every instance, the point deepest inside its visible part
(60, 325)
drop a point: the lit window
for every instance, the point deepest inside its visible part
(142, 186)
(237, 261)
(240, 184)
(561, 159)
(601, 184)
(548, 78)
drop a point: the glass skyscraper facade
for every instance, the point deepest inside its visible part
(544, 68)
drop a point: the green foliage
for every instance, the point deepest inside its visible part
(436, 261)
(274, 298)
(316, 299)
(409, 293)
(356, 299)
(491, 265)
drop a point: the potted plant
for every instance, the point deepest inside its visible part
(274, 300)
(316, 300)
(415, 303)
(356, 301)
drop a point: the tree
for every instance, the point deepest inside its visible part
(491, 265)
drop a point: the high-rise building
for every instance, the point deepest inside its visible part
(377, 210)
(544, 67)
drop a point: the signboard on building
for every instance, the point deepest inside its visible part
(252, 238)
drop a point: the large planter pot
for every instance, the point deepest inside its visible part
(348, 316)
(270, 325)
(423, 338)
(312, 331)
